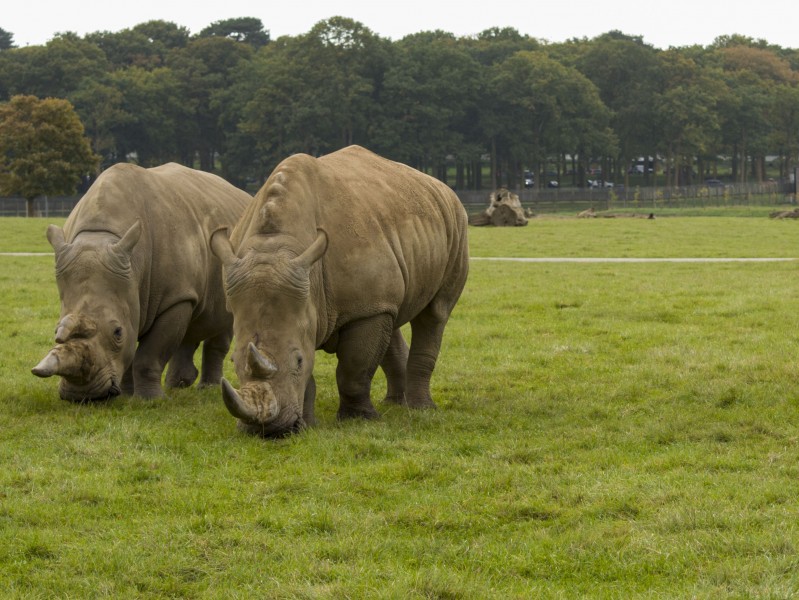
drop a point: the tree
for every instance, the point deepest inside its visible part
(6, 39)
(42, 149)
(53, 70)
(151, 119)
(626, 72)
(243, 29)
(314, 93)
(541, 109)
(203, 70)
(429, 104)
(688, 122)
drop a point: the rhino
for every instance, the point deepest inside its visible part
(139, 285)
(337, 253)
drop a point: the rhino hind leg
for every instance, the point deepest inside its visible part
(214, 351)
(362, 345)
(394, 365)
(427, 331)
(181, 372)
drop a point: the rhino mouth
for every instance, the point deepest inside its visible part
(87, 394)
(272, 430)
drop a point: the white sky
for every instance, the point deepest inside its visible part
(662, 23)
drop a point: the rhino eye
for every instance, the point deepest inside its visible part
(117, 333)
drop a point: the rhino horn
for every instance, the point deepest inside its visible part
(128, 241)
(58, 362)
(74, 327)
(260, 366)
(48, 366)
(315, 251)
(235, 404)
(64, 331)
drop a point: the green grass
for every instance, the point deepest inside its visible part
(713, 237)
(604, 431)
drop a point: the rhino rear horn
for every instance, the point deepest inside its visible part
(260, 366)
(74, 327)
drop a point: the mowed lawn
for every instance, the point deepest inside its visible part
(605, 430)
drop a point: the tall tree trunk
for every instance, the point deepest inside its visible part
(494, 174)
(30, 207)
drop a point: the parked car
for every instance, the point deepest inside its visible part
(529, 180)
(599, 183)
(714, 183)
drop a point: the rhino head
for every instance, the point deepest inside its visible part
(268, 292)
(97, 333)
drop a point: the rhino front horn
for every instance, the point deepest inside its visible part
(48, 365)
(235, 404)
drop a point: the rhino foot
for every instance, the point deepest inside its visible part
(358, 412)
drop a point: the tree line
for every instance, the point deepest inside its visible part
(232, 100)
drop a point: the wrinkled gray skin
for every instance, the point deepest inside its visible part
(139, 285)
(337, 253)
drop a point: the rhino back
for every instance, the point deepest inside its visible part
(396, 237)
(178, 208)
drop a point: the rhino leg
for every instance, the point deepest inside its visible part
(309, 400)
(427, 330)
(214, 352)
(362, 345)
(156, 347)
(394, 365)
(127, 382)
(181, 371)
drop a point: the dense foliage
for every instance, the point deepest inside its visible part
(42, 148)
(233, 100)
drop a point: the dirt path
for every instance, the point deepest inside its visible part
(632, 260)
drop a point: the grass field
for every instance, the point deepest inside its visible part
(604, 431)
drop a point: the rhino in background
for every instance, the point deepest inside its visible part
(338, 253)
(138, 283)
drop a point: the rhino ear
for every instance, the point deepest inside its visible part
(55, 235)
(221, 246)
(315, 251)
(128, 241)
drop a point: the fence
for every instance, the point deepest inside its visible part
(52, 206)
(544, 200)
(644, 199)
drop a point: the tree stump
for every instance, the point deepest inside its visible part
(504, 210)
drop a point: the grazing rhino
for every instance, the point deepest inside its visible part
(133, 265)
(337, 253)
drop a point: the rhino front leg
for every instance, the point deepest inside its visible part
(214, 351)
(394, 365)
(127, 382)
(181, 372)
(156, 347)
(362, 345)
(308, 403)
